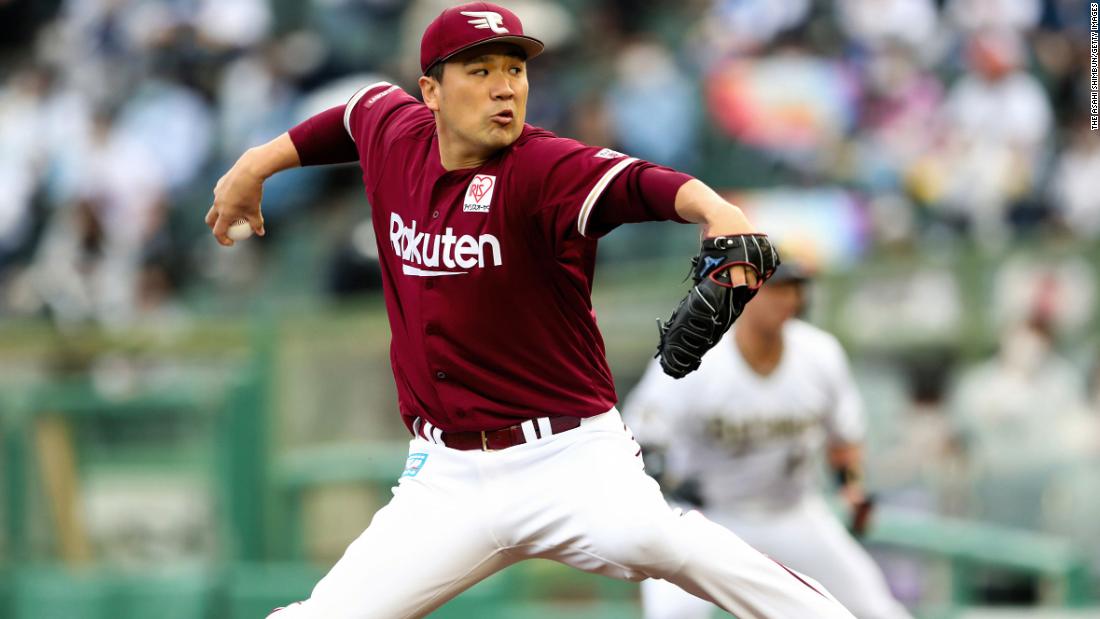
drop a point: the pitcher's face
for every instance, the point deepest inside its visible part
(482, 97)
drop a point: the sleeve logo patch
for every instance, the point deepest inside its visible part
(479, 194)
(378, 96)
(607, 153)
(414, 464)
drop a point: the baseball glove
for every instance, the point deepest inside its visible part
(713, 302)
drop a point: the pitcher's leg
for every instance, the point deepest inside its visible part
(618, 524)
(722, 568)
(430, 543)
(664, 600)
(811, 540)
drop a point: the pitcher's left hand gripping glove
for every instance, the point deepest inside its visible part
(713, 302)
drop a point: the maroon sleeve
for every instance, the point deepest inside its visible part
(643, 192)
(570, 184)
(322, 139)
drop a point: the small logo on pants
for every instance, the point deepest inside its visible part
(414, 464)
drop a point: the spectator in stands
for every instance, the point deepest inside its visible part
(998, 120)
(1021, 407)
(21, 158)
(972, 15)
(926, 465)
(88, 264)
(746, 26)
(653, 105)
(875, 23)
(1073, 185)
(897, 121)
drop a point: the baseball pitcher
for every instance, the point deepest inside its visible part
(487, 230)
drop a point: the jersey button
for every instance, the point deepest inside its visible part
(435, 214)
(441, 375)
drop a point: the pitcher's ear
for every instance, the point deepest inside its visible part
(429, 91)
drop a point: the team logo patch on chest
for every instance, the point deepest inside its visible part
(479, 194)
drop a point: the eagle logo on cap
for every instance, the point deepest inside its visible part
(486, 20)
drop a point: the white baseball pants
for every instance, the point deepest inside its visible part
(580, 498)
(807, 538)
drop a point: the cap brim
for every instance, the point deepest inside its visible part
(790, 275)
(530, 45)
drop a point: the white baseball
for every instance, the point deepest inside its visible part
(240, 230)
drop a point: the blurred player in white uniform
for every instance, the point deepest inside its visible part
(740, 438)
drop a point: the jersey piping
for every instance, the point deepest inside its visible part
(355, 101)
(597, 191)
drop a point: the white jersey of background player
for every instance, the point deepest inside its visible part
(742, 434)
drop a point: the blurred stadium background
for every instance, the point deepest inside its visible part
(188, 431)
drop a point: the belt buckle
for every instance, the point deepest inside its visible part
(485, 442)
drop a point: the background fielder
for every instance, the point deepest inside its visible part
(741, 436)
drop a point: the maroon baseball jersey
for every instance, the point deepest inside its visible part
(487, 271)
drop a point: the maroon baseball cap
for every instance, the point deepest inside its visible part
(462, 27)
